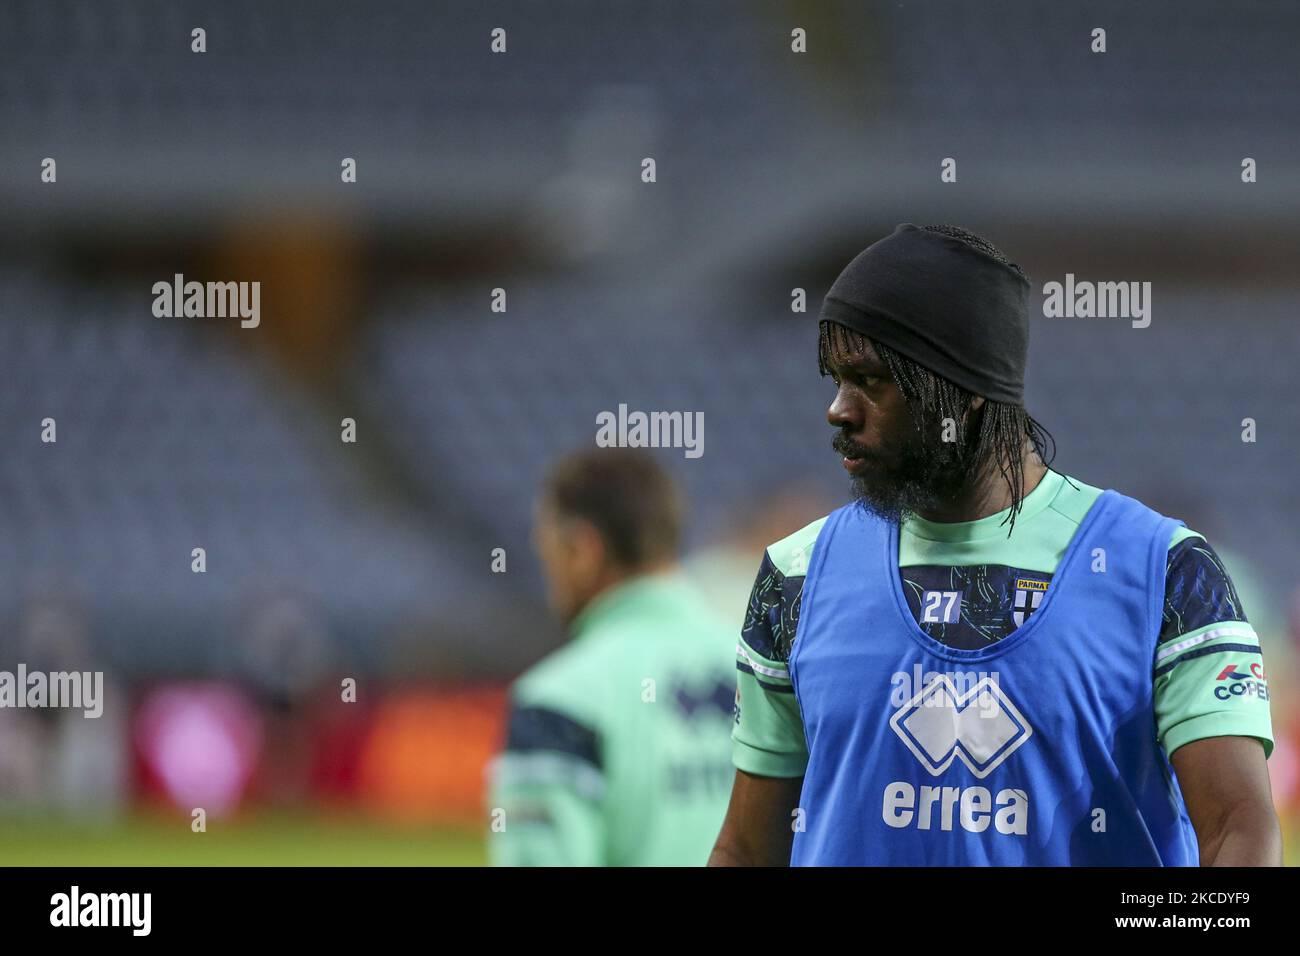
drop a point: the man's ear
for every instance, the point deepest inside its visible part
(586, 547)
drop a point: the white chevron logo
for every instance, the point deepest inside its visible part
(982, 727)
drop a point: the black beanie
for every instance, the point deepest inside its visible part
(943, 303)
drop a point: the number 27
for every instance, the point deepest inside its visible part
(931, 600)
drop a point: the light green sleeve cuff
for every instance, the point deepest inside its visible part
(767, 735)
(1213, 685)
(1221, 724)
(765, 763)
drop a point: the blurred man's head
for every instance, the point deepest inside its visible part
(604, 515)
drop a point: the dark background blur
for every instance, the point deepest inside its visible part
(522, 171)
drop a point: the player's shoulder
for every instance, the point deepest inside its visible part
(567, 679)
(1076, 498)
(790, 555)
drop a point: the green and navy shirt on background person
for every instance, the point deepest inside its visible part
(883, 713)
(618, 748)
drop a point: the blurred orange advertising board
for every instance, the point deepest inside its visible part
(426, 751)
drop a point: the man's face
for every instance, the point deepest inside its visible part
(895, 468)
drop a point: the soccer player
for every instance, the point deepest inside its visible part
(981, 661)
(618, 747)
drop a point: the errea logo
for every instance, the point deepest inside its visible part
(980, 727)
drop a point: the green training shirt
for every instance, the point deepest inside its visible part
(617, 749)
(969, 584)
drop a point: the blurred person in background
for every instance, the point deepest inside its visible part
(724, 569)
(285, 655)
(58, 760)
(617, 749)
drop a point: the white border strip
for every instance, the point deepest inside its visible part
(761, 669)
(1233, 631)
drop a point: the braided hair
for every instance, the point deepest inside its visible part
(996, 433)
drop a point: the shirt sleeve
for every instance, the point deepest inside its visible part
(1209, 667)
(768, 736)
(546, 791)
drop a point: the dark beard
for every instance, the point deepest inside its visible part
(920, 477)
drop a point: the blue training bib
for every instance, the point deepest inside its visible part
(1038, 750)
